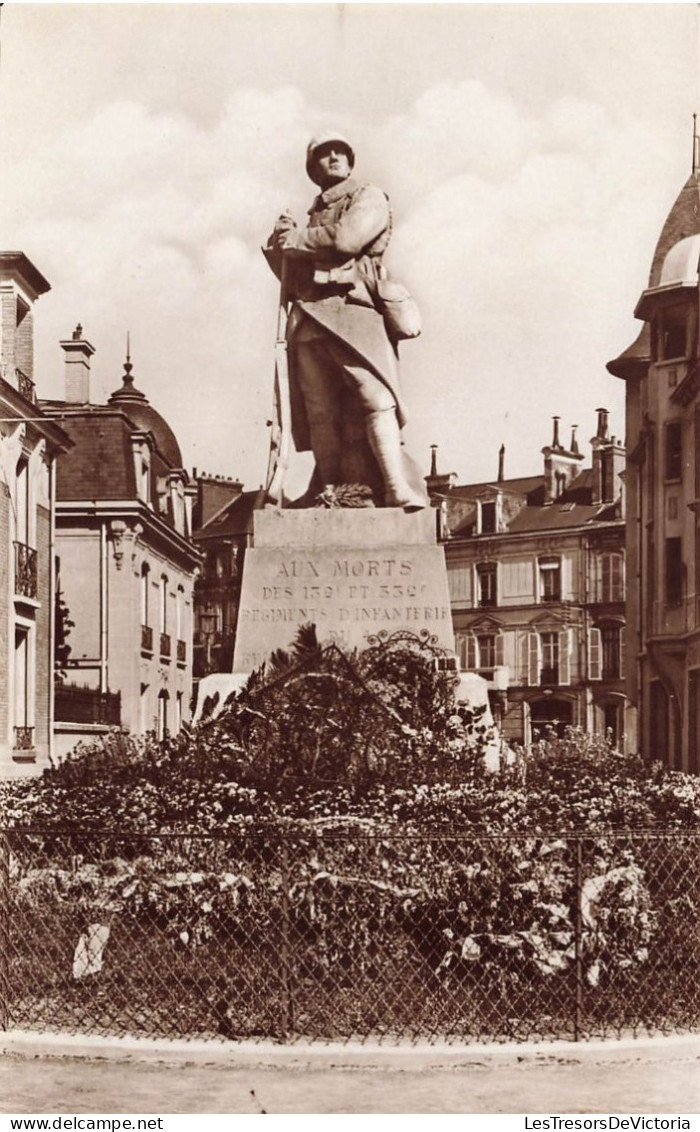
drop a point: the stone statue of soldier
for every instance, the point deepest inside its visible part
(343, 362)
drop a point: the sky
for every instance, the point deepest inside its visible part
(531, 154)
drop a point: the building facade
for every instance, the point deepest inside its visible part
(661, 370)
(223, 522)
(29, 446)
(537, 588)
(125, 562)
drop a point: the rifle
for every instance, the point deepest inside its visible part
(280, 434)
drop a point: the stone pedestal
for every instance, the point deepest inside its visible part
(351, 572)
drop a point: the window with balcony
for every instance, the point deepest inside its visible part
(674, 571)
(162, 719)
(23, 713)
(610, 586)
(697, 452)
(25, 555)
(486, 577)
(611, 637)
(486, 650)
(549, 670)
(163, 604)
(671, 334)
(550, 579)
(145, 583)
(180, 616)
(673, 455)
(144, 600)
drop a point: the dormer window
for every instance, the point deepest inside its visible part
(145, 483)
(488, 517)
(674, 450)
(177, 498)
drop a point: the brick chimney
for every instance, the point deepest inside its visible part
(21, 284)
(561, 465)
(608, 462)
(78, 352)
(212, 493)
(438, 483)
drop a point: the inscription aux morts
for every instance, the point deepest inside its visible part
(346, 568)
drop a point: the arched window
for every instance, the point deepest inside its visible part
(179, 613)
(145, 583)
(162, 729)
(163, 604)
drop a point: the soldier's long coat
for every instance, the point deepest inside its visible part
(337, 255)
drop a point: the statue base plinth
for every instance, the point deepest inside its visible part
(353, 573)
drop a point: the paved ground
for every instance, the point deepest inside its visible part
(660, 1076)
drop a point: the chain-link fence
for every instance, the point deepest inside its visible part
(316, 935)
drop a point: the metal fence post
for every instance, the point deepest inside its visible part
(4, 930)
(578, 940)
(287, 1018)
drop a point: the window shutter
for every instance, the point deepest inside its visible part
(566, 579)
(565, 657)
(618, 580)
(595, 580)
(533, 659)
(595, 649)
(499, 649)
(622, 650)
(510, 654)
(605, 577)
(459, 581)
(470, 642)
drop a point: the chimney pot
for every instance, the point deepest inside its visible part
(602, 432)
(78, 352)
(555, 434)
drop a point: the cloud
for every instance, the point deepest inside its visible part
(512, 228)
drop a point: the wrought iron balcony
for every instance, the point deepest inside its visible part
(181, 652)
(165, 646)
(25, 571)
(26, 386)
(24, 738)
(146, 638)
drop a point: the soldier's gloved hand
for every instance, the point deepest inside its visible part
(287, 239)
(284, 223)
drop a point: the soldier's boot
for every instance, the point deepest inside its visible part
(385, 441)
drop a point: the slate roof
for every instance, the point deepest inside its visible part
(560, 516)
(101, 464)
(139, 410)
(683, 220)
(574, 507)
(234, 519)
(524, 485)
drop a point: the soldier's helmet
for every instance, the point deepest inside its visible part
(324, 139)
